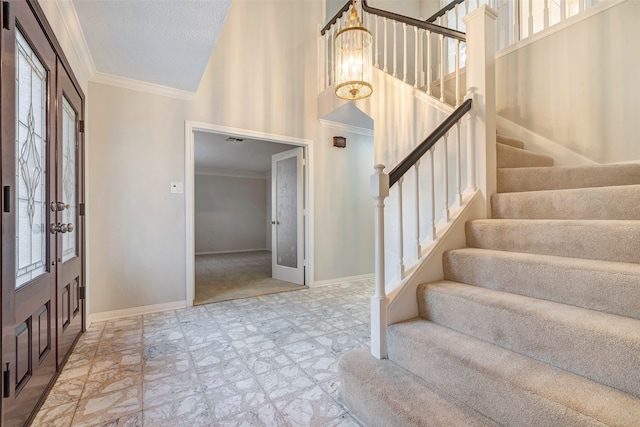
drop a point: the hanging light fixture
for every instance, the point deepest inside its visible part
(353, 59)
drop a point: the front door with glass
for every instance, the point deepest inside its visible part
(41, 181)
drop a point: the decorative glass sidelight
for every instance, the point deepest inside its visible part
(287, 202)
(69, 181)
(31, 163)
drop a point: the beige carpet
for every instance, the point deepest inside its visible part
(224, 277)
(537, 321)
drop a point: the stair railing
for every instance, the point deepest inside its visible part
(449, 172)
(422, 54)
(517, 19)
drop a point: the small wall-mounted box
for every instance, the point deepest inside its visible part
(339, 141)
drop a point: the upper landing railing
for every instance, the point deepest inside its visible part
(517, 19)
(420, 53)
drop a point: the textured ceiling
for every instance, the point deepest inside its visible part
(212, 151)
(165, 42)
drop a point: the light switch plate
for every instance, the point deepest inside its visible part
(177, 187)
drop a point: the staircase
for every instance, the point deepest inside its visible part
(537, 321)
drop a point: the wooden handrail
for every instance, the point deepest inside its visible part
(428, 143)
(400, 18)
(444, 10)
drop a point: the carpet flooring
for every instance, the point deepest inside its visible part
(224, 277)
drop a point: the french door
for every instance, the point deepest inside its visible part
(287, 230)
(41, 236)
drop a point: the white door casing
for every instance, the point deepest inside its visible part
(287, 220)
(193, 126)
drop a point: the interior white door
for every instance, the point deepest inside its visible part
(287, 221)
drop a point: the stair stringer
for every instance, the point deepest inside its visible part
(403, 304)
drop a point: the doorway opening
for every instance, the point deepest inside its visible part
(237, 231)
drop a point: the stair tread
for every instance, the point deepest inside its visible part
(596, 345)
(566, 177)
(623, 268)
(508, 387)
(381, 393)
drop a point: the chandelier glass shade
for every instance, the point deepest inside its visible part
(353, 60)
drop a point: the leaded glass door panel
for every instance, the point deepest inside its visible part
(70, 307)
(28, 247)
(287, 216)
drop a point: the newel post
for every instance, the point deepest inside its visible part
(379, 191)
(481, 81)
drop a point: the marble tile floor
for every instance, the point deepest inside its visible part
(262, 361)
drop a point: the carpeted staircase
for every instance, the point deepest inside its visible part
(537, 322)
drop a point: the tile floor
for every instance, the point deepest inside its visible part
(262, 361)
(223, 277)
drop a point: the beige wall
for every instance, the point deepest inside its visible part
(579, 87)
(137, 227)
(230, 213)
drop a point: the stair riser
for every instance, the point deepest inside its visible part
(509, 141)
(606, 241)
(606, 203)
(561, 336)
(512, 391)
(510, 157)
(538, 179)
(610, 292)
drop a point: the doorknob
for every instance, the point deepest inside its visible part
(60, 228)
(61, 206)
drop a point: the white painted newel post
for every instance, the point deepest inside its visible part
(379, 191)
(481, 83)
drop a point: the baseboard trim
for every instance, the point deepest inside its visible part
(318, 283)
(136, 311)
(239, 251)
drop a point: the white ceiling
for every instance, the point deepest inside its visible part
(213, 152)
(164, 42)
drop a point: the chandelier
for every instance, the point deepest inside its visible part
(353, 59)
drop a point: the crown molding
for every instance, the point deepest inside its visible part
(346, 128)
(138, 85)
(72, 23)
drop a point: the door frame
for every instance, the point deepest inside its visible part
(189, 190)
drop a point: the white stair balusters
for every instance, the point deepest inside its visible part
(404, 54)
(429, 76)
(395, 50)
(432, 188)
(445, 180)
(416, 81)
(400, 230)
(385, 43)
(418, 241)
(443, 60)
(458, 167)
